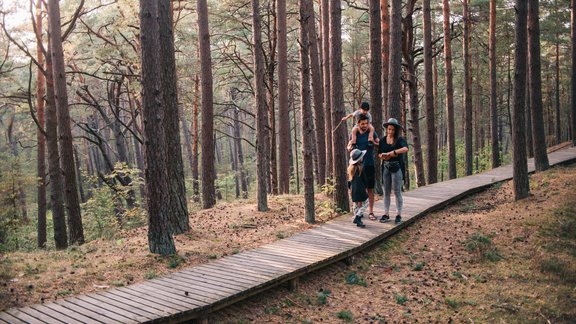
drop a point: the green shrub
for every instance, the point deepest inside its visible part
(400, 299)
(482, 246)
(353, 279)
(345, 315)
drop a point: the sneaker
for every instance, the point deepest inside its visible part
(398, 219)
(358, 221)
(385, 219)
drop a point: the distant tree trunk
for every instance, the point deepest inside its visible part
(449, 92)
(239, 150)
(76, 231)
(296, 159)
(339, 137)
(159, 232)
(493, 93)
(395, 64)
(187, 136)
(318, 96)
(385, 34)
(56, 186)
(272, 41)
(467, 89)
(261, 118)
(573, 72)
(557, 65)
(376, 79)
(195, 171)
(79, 173)
(19, 187)
(431, 149)
(539, 137)
(327, 85)
(529, 135)
(520, 168)
(283, 108)
(41, 154)
(306, 110)
(178, 207)
(412, 84)
(208, 143)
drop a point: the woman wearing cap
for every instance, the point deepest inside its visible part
(389, 150)
(357, 184)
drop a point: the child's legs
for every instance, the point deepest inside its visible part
(371, 134)
(354, 130)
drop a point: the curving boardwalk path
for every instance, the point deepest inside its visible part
(196, 291)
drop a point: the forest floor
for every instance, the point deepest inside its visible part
(485, 258)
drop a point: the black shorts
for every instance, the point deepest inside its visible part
(370, 173)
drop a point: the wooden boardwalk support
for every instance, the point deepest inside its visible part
(194, 292)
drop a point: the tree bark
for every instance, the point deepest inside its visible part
(208, 143)
(159, 232)
(558, 127)
(318, 96)
(56, 186)
(339, 136)
(449, 92)
(306, 111)
(521, 185)
(493, 93)
(573, 73)
(178, 208)
(41, 153)
(76, 231)
(412, 84)
(385, 34)
(195, 171)
(327, 85)
(394, 96)
(283, 108)
(431, 149)
(272, 41)
(539, 137)
(467, 90)
(261, 113)
(376, 80)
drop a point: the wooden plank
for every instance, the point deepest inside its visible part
(197, 288)
(112, 313)
(86, 312)
(290, 252)
(219, 283)
(176, 300)
(230, 273)
(198, 298)
(258, 259)
(78, 318)
(236, 270)
(42, 316)
(25, 317)
(109, 306)
(281, 260)
(159, 304)
(152, 312)
(4, 316)
(124, 306)
(253, 267)
(326, 244)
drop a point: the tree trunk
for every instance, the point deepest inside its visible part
(261, 118)
(239, 150)
(412, 84)
(385, 34)
(539, 137)
(79, 173)
(159, 231)
(19, 187)
(187, 136)
(467, 90)
(431, 149)
(573, 73)
(376, 80)
(327, 85)
(529, 135)
(208, 143)
(195, 171)
(318, 96)
(41, 153)
(340, 135)
(521, 185)
(558, 127)
(272, 41)
(493, 83)
(76, 231)
(284, 138)
(394, 78)
(56, 186)
(306, 110)
(449, 92)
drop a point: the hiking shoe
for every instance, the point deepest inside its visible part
(384, 219)
(398, 219)
(358, 221)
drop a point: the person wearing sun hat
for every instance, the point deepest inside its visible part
(357, 184)
(390, 149)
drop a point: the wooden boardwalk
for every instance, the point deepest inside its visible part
(196, 291)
